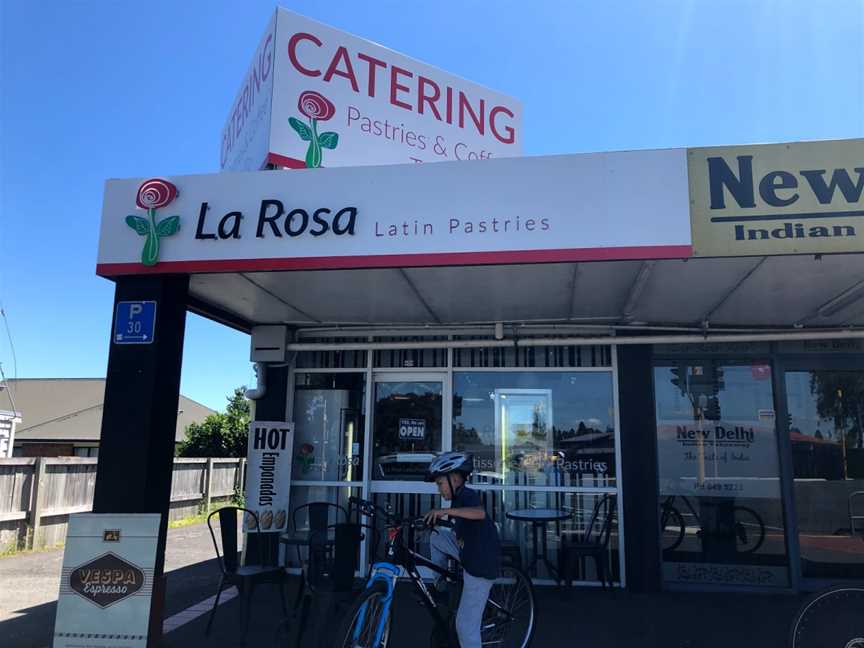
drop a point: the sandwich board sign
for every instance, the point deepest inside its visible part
(107, 581)
(315, 96)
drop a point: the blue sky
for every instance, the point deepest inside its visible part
(96, 90)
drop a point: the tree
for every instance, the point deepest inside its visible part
(840, 398)
(223, 434)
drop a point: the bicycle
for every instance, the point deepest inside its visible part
(508, 619)
(747, 528)
(833, 618)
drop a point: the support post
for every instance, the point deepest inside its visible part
(208, 484)
(36, 498)
(142, 390)
(639, 468)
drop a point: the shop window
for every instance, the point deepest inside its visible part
(826, 430)
(720, 507)
(536, 428)
(328, 427)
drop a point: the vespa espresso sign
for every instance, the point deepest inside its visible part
(107, 581)
(798, 198)
(315, 96)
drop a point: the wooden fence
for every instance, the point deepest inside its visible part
(38, 495)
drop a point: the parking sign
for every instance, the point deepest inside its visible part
(135, 322)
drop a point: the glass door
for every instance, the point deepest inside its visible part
(407, 433)
(407, 426)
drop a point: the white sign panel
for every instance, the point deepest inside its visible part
(107, 581)
(268, 476)
(729, 458)
(246, 135)
(7, 432)
(327, 98)
(630, 205)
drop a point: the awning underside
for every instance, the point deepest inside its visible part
(806, 291)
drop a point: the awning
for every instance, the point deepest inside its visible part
(779, 292)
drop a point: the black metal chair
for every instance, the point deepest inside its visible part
(319, 527)
(593, 544)
(330, 577)
(319, 520)
(245, 577)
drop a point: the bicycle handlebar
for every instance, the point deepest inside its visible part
(370, 509)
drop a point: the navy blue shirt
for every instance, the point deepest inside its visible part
(480, 553)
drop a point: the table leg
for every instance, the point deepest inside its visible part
(545, 557)
(535, 554)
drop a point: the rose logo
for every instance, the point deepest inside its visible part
(306, 457)
(316, 107)
(152, 195)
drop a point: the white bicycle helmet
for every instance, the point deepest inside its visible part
(450, 462)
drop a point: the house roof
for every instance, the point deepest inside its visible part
(70, 409)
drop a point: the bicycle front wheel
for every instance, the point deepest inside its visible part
(831, 618)
(508, 619)
(367, 623)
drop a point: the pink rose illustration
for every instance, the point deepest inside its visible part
(316, 107)
(155, 193)
(152, 195)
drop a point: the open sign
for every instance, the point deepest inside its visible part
(412, 429)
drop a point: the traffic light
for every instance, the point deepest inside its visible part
(679, 378)
(712, 409)
(698, 380)
(718, 379)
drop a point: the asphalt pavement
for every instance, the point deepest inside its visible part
(583, 617)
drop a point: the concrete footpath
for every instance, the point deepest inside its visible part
(588, 617)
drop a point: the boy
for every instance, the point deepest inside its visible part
(475, 542)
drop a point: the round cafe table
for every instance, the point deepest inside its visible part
(539, 518)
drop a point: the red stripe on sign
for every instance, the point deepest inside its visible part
(289, 162)
(646, 252)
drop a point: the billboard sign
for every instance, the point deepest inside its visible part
(315, 96)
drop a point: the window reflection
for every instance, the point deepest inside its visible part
(826, 429)
(721, 514)
(536, 428)
(328, 427)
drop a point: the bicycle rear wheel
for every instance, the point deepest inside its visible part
(749, 529)
(672, 528)
(831, 619)
(367, 622)
(508, 619)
